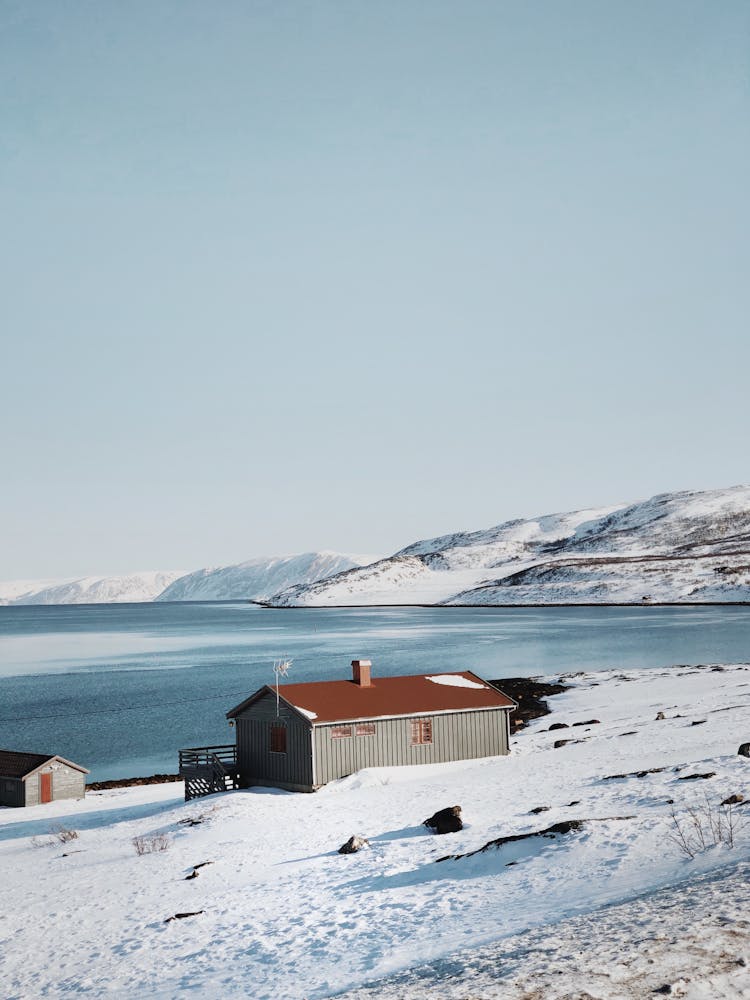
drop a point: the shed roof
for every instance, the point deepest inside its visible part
(420, 694)
(17, 764)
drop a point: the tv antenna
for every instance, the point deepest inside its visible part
(280, 669)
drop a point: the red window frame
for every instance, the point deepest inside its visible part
(277, 739)
(421, 732)
(341, 733)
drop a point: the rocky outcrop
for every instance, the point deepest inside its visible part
(446, 820)
(353, 845)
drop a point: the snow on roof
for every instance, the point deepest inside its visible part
(385, 697)
(454, 680)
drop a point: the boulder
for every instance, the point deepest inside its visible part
(588, 722)
(561, 743)
(744, 750)
(734, 800)
(446, 820)
(558, 725)
(660, 717)
(353, 845)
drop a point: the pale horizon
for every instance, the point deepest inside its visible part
(285, 278)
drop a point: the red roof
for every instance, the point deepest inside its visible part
(423, 694)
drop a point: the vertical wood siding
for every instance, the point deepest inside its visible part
(11, 792)
(256, 762)
(455, 736)
(32, 790)
(67, 783)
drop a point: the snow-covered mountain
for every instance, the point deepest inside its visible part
(676, 547)
(131, 588)
(257, 579)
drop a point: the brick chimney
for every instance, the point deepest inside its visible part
(361, 673)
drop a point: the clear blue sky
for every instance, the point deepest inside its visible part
(283, 276)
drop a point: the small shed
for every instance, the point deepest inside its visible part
(314, 733)
(30, 779)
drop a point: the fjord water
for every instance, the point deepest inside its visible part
(119, 688)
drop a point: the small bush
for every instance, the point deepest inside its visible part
(63, 835)
(705, 824)
(151, 844)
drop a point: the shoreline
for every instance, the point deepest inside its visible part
(516, 607)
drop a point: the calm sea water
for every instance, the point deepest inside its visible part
(119, 688)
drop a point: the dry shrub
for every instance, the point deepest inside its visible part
(705, 824)
(63, 835)
(151, 844)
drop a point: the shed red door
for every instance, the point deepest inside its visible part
(45, 787)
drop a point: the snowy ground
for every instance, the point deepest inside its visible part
(286, 916)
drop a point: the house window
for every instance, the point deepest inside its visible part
(278, 739)
(421, 732)
(341, 732)
(365, 729)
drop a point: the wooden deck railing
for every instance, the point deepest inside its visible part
(209, 769)
(192, 757)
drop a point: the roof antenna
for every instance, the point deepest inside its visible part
(280, 669)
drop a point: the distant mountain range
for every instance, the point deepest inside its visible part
(256, 579)
(683, 548)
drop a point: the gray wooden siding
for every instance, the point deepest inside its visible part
(32, 790)
(257, 765)
(67, 783)
(455, 736)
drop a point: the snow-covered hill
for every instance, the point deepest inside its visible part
(131, 588)
(270, 909)
(11, 591)
(258, 578)
(255, 579)
(681, 547)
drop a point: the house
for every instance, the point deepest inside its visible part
(30, 779)
(301, 736)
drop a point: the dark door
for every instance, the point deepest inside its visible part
(45, 787)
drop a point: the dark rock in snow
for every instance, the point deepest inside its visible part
(558, 725)
(529, 694)
(539, 809)
(590, 722)
(698, 722)
(633, 774)
(181, 916)
(692, 777)
(744, 750)
(446, 820)
(353, 845)
(557, 829)
(561, 743)
(660, 717)
(734, 800)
